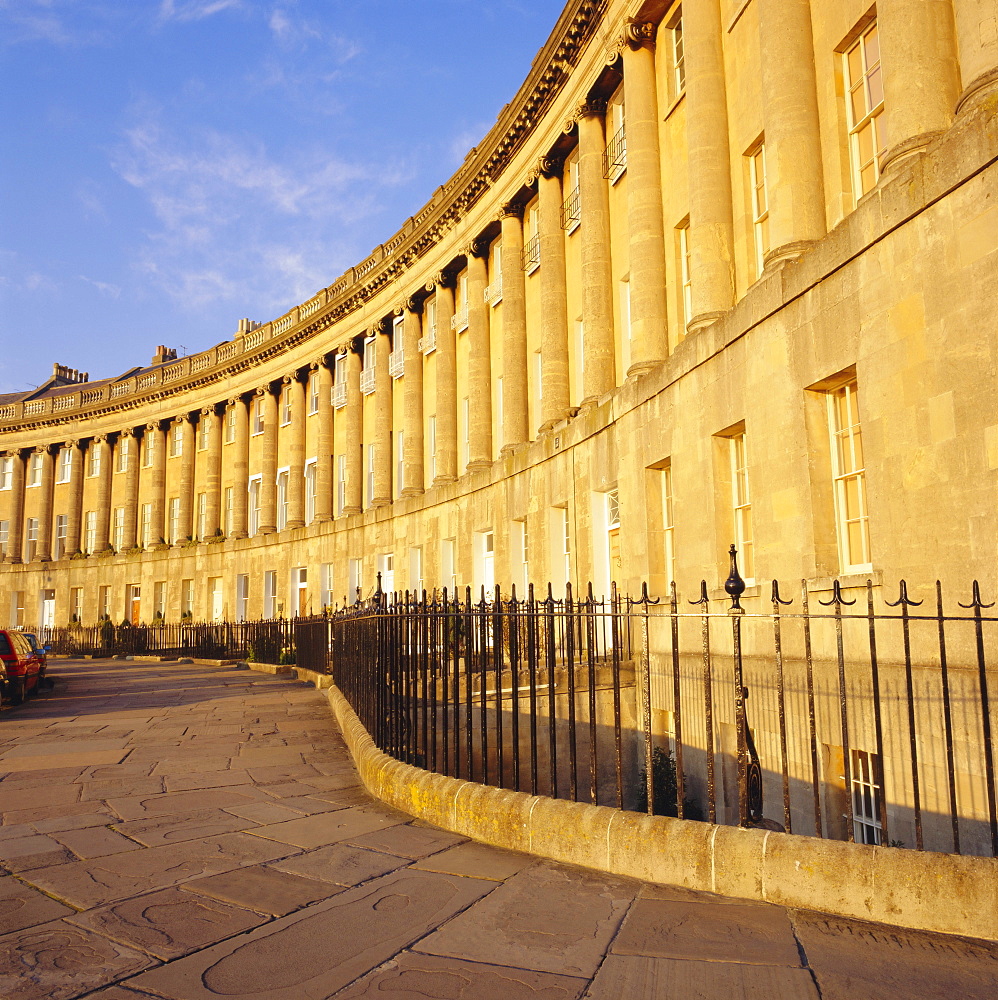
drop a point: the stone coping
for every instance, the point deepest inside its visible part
(945, 893)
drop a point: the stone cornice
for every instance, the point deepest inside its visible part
(483, 166)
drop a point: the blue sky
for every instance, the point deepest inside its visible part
(170, 166)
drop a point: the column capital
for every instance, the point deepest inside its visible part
(233, 400)
(207, 411)
(72, 443)
(637, 34)
(595, 107)
(289, 379)
(444, 278)
(320, 362)
(127, 432)
(478, 247)
(181, 418)
(412, 303)
(510, 210)
(42, 449)
(154, 425)
(550, 165)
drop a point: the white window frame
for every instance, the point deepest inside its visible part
(93, 460)
(61, 535)
(311, 488)
(34, 470)
(270, 594)
(873, 117)
(865, 777)
(849, 474)
(118, 528)
(285, 406)
(202, 515)
(6, 472)
(759, 203)
(90, 532)
(741, 506)
(254, 488)
(145, 531)
(173, 520)
(668, 524)
(313, 393)
(283, 483)
(65, 465)
(256, 416)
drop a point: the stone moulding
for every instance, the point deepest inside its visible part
(943, 893)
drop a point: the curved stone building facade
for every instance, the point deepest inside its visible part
(723, 271)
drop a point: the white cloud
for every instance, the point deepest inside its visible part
(193, 10)
(104, 287)
(466, 140)
(235, 223)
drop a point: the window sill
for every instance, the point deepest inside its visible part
(846, 581)
(675, 104)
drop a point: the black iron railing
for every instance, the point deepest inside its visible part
(845, 720)
(846, 714)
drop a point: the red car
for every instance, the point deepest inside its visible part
(21, 666)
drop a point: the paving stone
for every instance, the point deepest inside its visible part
(95, 842)
(169, 923)
(549, 918)
(341, 864)
(41, 814)
(22, 906)
(626, 976)
(194, 765)
(851, 958)
(358, 929)
(109, 788)
(478, 860)
(16, 831)
(267, 757)
(411, 842)
(56, 961)
(264, 812)
(264, 889)
(38, 796)
(61, 748)
(172, 829)
(279, 773)
(411, 976)
(208, 779)
(18, 847)
(61, 760)
(61, 824)
(84, 884)
(177, 803)
(288, 789)
(311, 804)
(751, 933)
(326, 828)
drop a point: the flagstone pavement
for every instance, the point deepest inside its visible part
(187, 832)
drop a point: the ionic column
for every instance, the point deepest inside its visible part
(74, 517)
(383, 417)
(446, 372)
(240, 469)
(977, 39)
(156, 447)
(479, 358)
(514, 330)
(102, 539)
(296, 453)
(598, 373)
(213, 472)
(43, 549)
(711, 231)
(268, 462)
(354, 434)
(324, 456)
(412, 400)
(185, 527)
(921, 78)
(794, 184)
(128, 539)
(555, 394)
(15, 532)
(645, 216)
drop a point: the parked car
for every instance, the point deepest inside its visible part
(21, 666)
(40, 651)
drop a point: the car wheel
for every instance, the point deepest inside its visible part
(17, 689)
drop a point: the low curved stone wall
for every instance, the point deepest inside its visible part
(927, 891)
